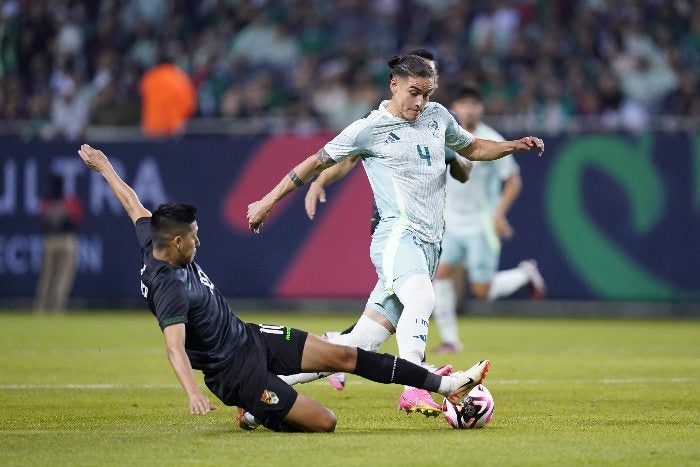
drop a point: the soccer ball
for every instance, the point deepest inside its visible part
(473, 411)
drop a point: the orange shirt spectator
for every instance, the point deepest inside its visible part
(168, 100)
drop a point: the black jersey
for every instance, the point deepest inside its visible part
(184, 294)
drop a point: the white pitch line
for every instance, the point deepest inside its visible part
(88, 386)
(356, 383)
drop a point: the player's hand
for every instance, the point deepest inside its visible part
(257, 213)
(461, 168)
(503, 228)
(530, 142)
(200, 404)
(315, 195)
(93, 158)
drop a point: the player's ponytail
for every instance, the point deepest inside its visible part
(405, 66)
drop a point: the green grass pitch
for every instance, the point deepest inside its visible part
(97, 389)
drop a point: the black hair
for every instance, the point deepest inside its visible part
(426, 54)
(413, 66)
(171, 219)
(469, 91)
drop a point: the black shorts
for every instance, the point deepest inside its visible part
(251, 380)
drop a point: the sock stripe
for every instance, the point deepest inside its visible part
(393, 370)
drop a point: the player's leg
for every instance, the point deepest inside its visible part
(320, 355)
(445, 313)
(482, 255)
(507, 282)
(369, 333)
(309, 415)
(288, 350)
(277, 406)
(50, 273)
(418, 298)
(414, 264)
(250, 383)
(294, 351)
(66, 269)
(46, 279)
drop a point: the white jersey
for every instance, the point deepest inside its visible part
(405, 165)
(470, 206)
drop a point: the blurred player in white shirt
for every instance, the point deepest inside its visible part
(475, 225)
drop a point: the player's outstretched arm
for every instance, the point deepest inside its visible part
(97, 161)
(175, 343)
(487, 150)
(317, 192)
(302, 173)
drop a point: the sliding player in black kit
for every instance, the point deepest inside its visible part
(241, 361)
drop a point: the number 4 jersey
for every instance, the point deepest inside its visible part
(405, 164)
(184, 294)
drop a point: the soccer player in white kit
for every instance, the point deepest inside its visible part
(402, 148)
(475, 224)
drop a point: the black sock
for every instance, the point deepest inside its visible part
(282, 427)
(385, 368)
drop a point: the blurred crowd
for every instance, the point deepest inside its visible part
(65, 64)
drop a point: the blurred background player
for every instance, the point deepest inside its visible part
(402, 146)
(475, 225)
(60, 216)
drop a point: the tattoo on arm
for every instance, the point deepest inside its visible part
(295, 178)
(324, 157)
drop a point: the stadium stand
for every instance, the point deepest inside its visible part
(313, 64)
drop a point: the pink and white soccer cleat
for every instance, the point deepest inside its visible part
(466, 380)
(337, 380)
(419, 400)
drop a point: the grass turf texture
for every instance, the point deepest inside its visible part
(97, 389)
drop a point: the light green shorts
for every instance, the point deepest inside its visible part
(479, 252)
(397, 257)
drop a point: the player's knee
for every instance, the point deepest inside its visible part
(346, 358)
(480, 291)
(427, 299)
(324, 423)
(328, 423)
(444, 271)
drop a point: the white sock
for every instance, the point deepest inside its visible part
(505, 283)
(367, 335)
(302, 378)
(445, 313)
(418, 299)
(447, 386)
